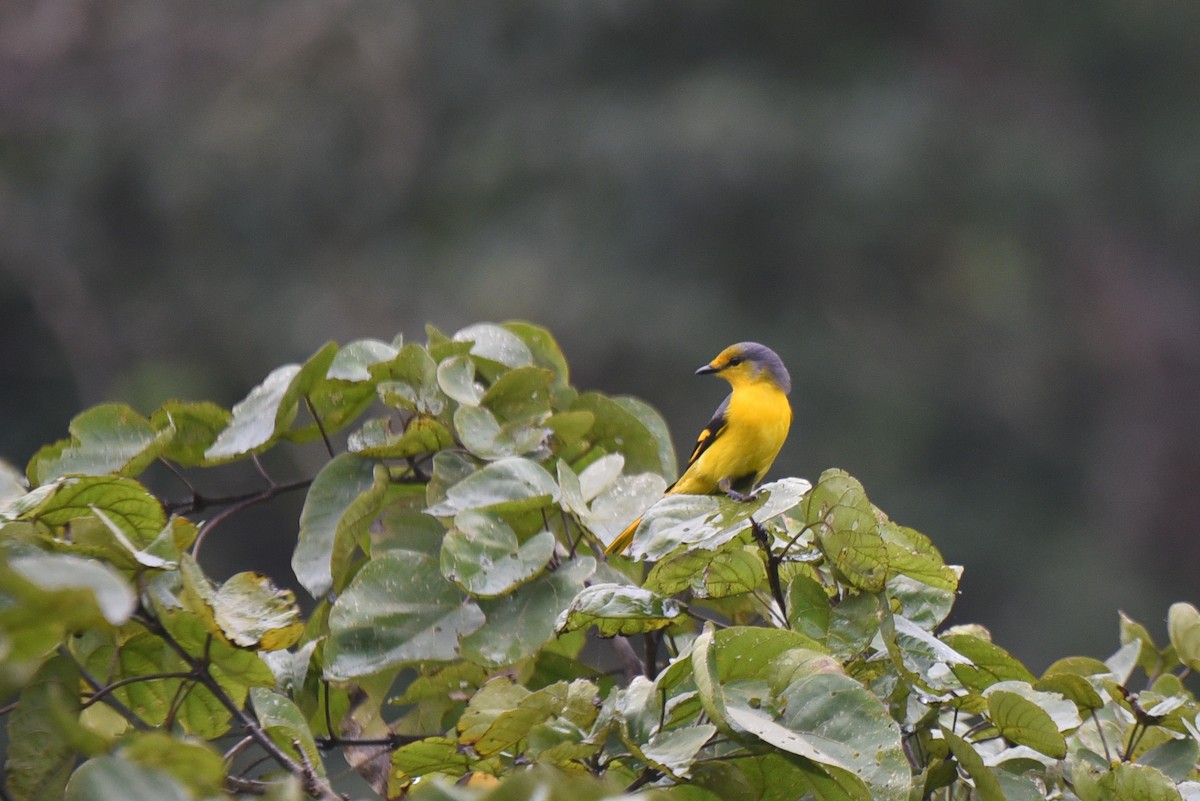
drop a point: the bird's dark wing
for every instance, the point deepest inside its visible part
(710, 433)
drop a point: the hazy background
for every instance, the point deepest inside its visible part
(970, 229)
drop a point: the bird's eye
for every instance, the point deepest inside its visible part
(735, 361)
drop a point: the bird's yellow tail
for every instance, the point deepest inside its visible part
(623, 539)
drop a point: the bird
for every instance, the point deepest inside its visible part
(739, 444)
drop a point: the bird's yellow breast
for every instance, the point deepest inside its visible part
(756, 425)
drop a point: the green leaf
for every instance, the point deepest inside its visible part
(544, 350)
(285, 723)
(989, 663)
(809, 608)
(396, 611)
(197, 766)
(509, 485)
(775, 776)
(605, 503)
(708, 574)
(341, 504)
(1132, 782)
(850, 540)
(1074, 688)
(270, 407)
(482, 555)
(258, 418)
(106, 439)
(1175, 758)
(484, 436)
(40, 754)
(124, 501)
(495, 698)
(1183, 626)
(90, 585)
(410, 382)
(709, 521)
(355, 360)
(140, 655)
(420, 435)
(848, 724)
(617, 609)
(617, 429)
(513, 725)
(986, 785)
(253, 613)
(106, 778)
(12, 485)
(431, 755)
(495, 344)
(911, 553)
(456, 377)
(521, 395)
(673, 751)
(521, 623)
(188, 430)
(236, 670)
(1148, 657)
(1021, 721)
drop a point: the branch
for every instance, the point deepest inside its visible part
(313, 784)
(99, 694)
(238, 503)
(764, 541)
(198, 502)
(120, 708)
(390, 741)
(648, 775)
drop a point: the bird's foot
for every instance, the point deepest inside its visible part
(740, 497)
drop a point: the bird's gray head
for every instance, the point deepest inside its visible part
(751, 360)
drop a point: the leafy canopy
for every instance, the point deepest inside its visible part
(467, 639)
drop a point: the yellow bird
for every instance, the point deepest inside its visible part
(737, 447)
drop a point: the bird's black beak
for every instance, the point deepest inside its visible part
(708, 368)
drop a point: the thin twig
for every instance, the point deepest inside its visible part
(1103, 739)
(390, 741)
(236, 784)
(241, 503)
(99, 695)
(120, 708)
(312, 410)
(237, 749)
(198, 502)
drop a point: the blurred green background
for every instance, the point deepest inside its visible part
(970, 229)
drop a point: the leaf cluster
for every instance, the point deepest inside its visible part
(467, 639)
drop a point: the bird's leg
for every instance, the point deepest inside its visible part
(726, 486)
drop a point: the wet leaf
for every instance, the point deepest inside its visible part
(986, 784)
(106, 778)
(617, 609)
(508, 485)
(285, 724)
(397, 610)
(1183, 625)
(521, 623)
(343, 500)
(41, 755)
(108, 439)
(87, 584)
(482, 555)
